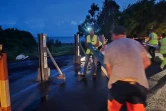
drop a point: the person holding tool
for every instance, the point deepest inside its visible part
(126, 61)
(153, 41)
(162, 45)
(93, 39)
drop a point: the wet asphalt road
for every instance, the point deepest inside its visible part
(75, 94)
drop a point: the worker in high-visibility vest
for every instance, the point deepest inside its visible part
(153, 41)
(162, 45)
(93, 39)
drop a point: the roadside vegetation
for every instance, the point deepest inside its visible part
(16, 42)
(137, 18)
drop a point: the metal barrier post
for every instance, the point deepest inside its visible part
(5, 104)
(82, 49)
(43, 70)
(61, 75)
(77, 57)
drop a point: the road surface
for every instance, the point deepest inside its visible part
(74, 94)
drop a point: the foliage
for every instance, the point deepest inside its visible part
(137, 18)
(103, 20)
(64, 48)
(16, 41)
(108, 17)
(51, 44)
(90, 20)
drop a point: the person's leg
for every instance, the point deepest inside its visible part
(86, 62)
(116, 96)
(163, 64)
(135, 107)
(136, 100)
(94, 64)
(153, 53)
(150, 50)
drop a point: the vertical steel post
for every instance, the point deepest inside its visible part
(75, 48)
(43, 70)
(77, 56)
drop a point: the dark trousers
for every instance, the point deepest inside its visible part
(133, 95)
(151, 51)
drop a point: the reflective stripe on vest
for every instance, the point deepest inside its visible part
(163, 46)
(154, 39)
(92, 41)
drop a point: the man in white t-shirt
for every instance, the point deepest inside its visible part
(126, 61)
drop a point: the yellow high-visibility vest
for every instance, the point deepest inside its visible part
(154, 39)
(93, 41)
(163, 46)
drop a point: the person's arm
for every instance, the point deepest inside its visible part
(145, 58)
(109, 69)
(97, 42)
(150, 38)
(107, 62)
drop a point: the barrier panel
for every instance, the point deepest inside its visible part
(99, 56)
(5, 104)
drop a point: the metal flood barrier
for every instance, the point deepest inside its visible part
(44, 70)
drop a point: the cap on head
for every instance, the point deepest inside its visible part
(119, 30)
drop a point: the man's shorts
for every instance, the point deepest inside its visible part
(123, 92)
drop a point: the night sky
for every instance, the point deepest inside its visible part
(53, 17)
